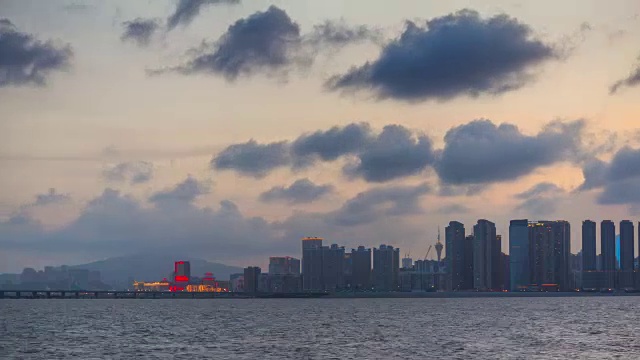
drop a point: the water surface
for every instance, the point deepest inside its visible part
(474, 328)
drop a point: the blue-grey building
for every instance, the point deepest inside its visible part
(519, 249)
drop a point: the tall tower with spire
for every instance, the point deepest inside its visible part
(439, 247)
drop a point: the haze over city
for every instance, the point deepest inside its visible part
(230, 130)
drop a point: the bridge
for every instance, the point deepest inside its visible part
(130, 294)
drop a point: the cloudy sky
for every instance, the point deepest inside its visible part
(229, 129)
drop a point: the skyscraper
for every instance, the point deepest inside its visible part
(361, 268)
(312, 264)
(550, 252)
(467, 273)
(520, 276)
(588, 245)
(627, 239)
(333, 267)
(455, 251)
(486, 255)
(386, 268)
(608, 245)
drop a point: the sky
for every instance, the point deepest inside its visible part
(230, 129)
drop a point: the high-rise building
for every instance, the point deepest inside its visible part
(333, 267)
(550, 252)
(467, 273)
(252, 279)
(608, 245)
(520, 276)
(386, 268)
(589, 246)
(284, 265)
(486, 256)
(627, 258)
(361, 268)
(627, 239)
(455, 253)
(312, 264)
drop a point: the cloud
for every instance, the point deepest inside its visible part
(539, 189)
(301, 191)
(26, 60)
(395, 153)
(270, 43)
(114, 223)
(618, 178)
(481, 152)
(453, 55)
(140, 31)
(52, 197)
(453, 209)
(339, 33)
(371, 205)
(263, 42)
(541, 200)
(183, 193)
(630, 81)
(333, 143)
(187, 10)
(253, 159)
(135, 172)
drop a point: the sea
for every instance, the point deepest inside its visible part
(423, 328)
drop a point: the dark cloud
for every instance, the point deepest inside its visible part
(540, 200)
(395, 153)
(135, 172)
(333, 143)
(630, 81)
(263, 42)
(339, 33)
(301, 191)
(454, 55)
(371, 205)
(268, 42)
(253, 159)
(481, 152)
(140, 31)
(52, 197)
(183, 193)
(618, 178)
(24, 60)
(187, 10)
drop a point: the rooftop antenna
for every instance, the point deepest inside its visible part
(439, 246)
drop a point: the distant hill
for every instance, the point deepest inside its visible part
(118, 271)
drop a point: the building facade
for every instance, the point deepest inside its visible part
(386, 268)
(312, 264)
(486, 256)
(360, 268)
(589, 246)
(454, 235)
(520, 275)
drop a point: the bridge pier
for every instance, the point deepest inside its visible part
(95, 294)
(1, 294)
(63, 294)
(77, 294)
(48, 294)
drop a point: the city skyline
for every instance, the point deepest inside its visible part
(136, 134)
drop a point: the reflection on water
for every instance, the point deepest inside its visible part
(542, 328)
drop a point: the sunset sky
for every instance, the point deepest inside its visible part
(229, 129)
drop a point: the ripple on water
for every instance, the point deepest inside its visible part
(542, 328)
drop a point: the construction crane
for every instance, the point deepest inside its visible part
(428, 251)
